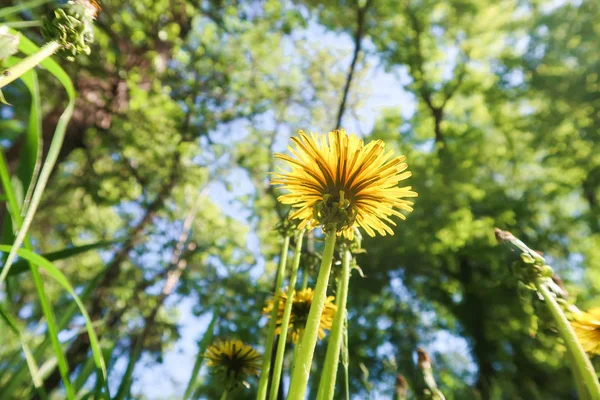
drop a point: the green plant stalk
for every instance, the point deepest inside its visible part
(22, 24)
(346, 357)
(303, 363)
(304, 278)
(206, 339)
(225, 393)
(332, 358)
(582, 362)
(14, 72)
(263, 383)
(125, 386)
(296, 350)
(37, 279)
(277, 368)
(582, 393)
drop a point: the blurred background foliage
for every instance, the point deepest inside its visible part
(182, 104)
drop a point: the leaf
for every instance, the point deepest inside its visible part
(21, 266)
(14, 211)
(30, 158)
(33, 368)
(64, 282)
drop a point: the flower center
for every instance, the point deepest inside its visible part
(234, 363)
(300, 310)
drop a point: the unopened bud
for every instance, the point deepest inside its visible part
(527, 258)
(72, 27)
(547, 271)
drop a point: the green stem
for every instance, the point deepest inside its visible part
(329, 374)
(285, 322)
(22, 24)
(582, 393)
(304, 278)
(263, 383)
(296, 350)
(582, 362)
(346, 357)
(19, 69)
(303, 363)
(206, 339)
(225, 393)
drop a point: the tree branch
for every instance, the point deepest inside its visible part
(358, 36)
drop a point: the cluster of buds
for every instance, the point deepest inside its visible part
(286, 227)
(71, 27)
(532, 265)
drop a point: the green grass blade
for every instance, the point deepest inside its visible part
(13, 208)
(65, 318)
(64, 282)
(33, 368)
(89, 367)
(28, 5)
(125, 385)
(206, 339)
(30, 158)
(28, 47)
(21, 266)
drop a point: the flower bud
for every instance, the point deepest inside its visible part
(71, 26)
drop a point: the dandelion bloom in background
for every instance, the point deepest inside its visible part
(338, 181)
(234, 360)
(587, 328)
(300, 309)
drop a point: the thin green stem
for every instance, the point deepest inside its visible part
(286, 319)
(22, 24)
(263, 383)
(304, 278)
(19, 69)
(582, 393)
(206, 339)
(225, 393)
(581, 361)
(329, 373)
(303, 363)
(346, 357)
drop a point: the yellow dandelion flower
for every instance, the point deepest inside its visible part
(233, 359)
(300, 309)
(337, 180)
(587, 328)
